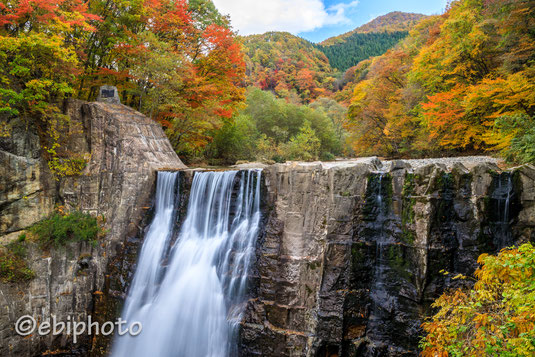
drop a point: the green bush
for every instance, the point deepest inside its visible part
(304, 146)
(521, 128)
(58, 230)
(13, 265)
(327, 156)
(269, 128)
(235, 141)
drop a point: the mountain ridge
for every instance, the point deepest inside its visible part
(395, 21)
(295, 68)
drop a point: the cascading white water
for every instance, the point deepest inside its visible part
(193, 306)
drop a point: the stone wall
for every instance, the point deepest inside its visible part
(124, 149)
(352, 251)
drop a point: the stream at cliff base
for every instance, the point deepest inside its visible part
(188, 293)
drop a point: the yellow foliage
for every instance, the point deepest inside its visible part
(495, 318)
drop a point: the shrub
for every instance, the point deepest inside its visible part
(327, 156)
(520, 128)
(495, 318)
(303, 146)
(58, 230)
(234, 141)
(13, 265)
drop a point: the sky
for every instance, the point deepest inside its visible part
(315, 20)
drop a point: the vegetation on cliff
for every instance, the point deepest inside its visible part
(495, 318)
(61, 228)
(13, 265)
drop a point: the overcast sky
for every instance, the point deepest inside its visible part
(315, 20)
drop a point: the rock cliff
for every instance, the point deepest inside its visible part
(124, 149)
(352, 252)
(348, 262)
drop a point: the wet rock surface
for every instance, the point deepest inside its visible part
(348, 261)
(352, 252)
(124, 149)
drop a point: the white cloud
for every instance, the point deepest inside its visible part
(294, 16)
(337, 12)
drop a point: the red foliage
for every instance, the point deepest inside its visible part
(27, 14)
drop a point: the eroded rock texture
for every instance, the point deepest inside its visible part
(352, 252)
(349, 259)
(124, 149)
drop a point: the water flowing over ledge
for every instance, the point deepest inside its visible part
(188, 294)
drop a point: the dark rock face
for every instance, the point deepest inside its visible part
(348, 261)
(352, 252)
(125, 149)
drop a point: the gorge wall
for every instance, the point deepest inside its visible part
(124, 149)
(352, 252)
(348, 261)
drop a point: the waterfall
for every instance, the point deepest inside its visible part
(192, 306)
(501, 199)
(382, 303)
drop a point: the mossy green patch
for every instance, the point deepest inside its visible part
(357, 254)
(407, 208)
(397, 261)
(58, 230)
(444, 181)
(313, 265)
(13, 265)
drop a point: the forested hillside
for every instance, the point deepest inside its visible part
(296, 69)
(288, 65)
(369, 40)
(395, 21)
(389, 29)
(461, 82)
(360, 46)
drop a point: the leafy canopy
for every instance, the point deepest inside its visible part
(495, 318)
(452, 85)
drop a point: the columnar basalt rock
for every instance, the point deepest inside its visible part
(340, 276)
(124, 149)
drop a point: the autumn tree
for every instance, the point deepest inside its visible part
(176, 61)
(495, 318)
(377, 118)
(290, 66)
(39, 63)
(452, 85)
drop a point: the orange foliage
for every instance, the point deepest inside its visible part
(182, 73)
(446, 121)
(446, 86)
